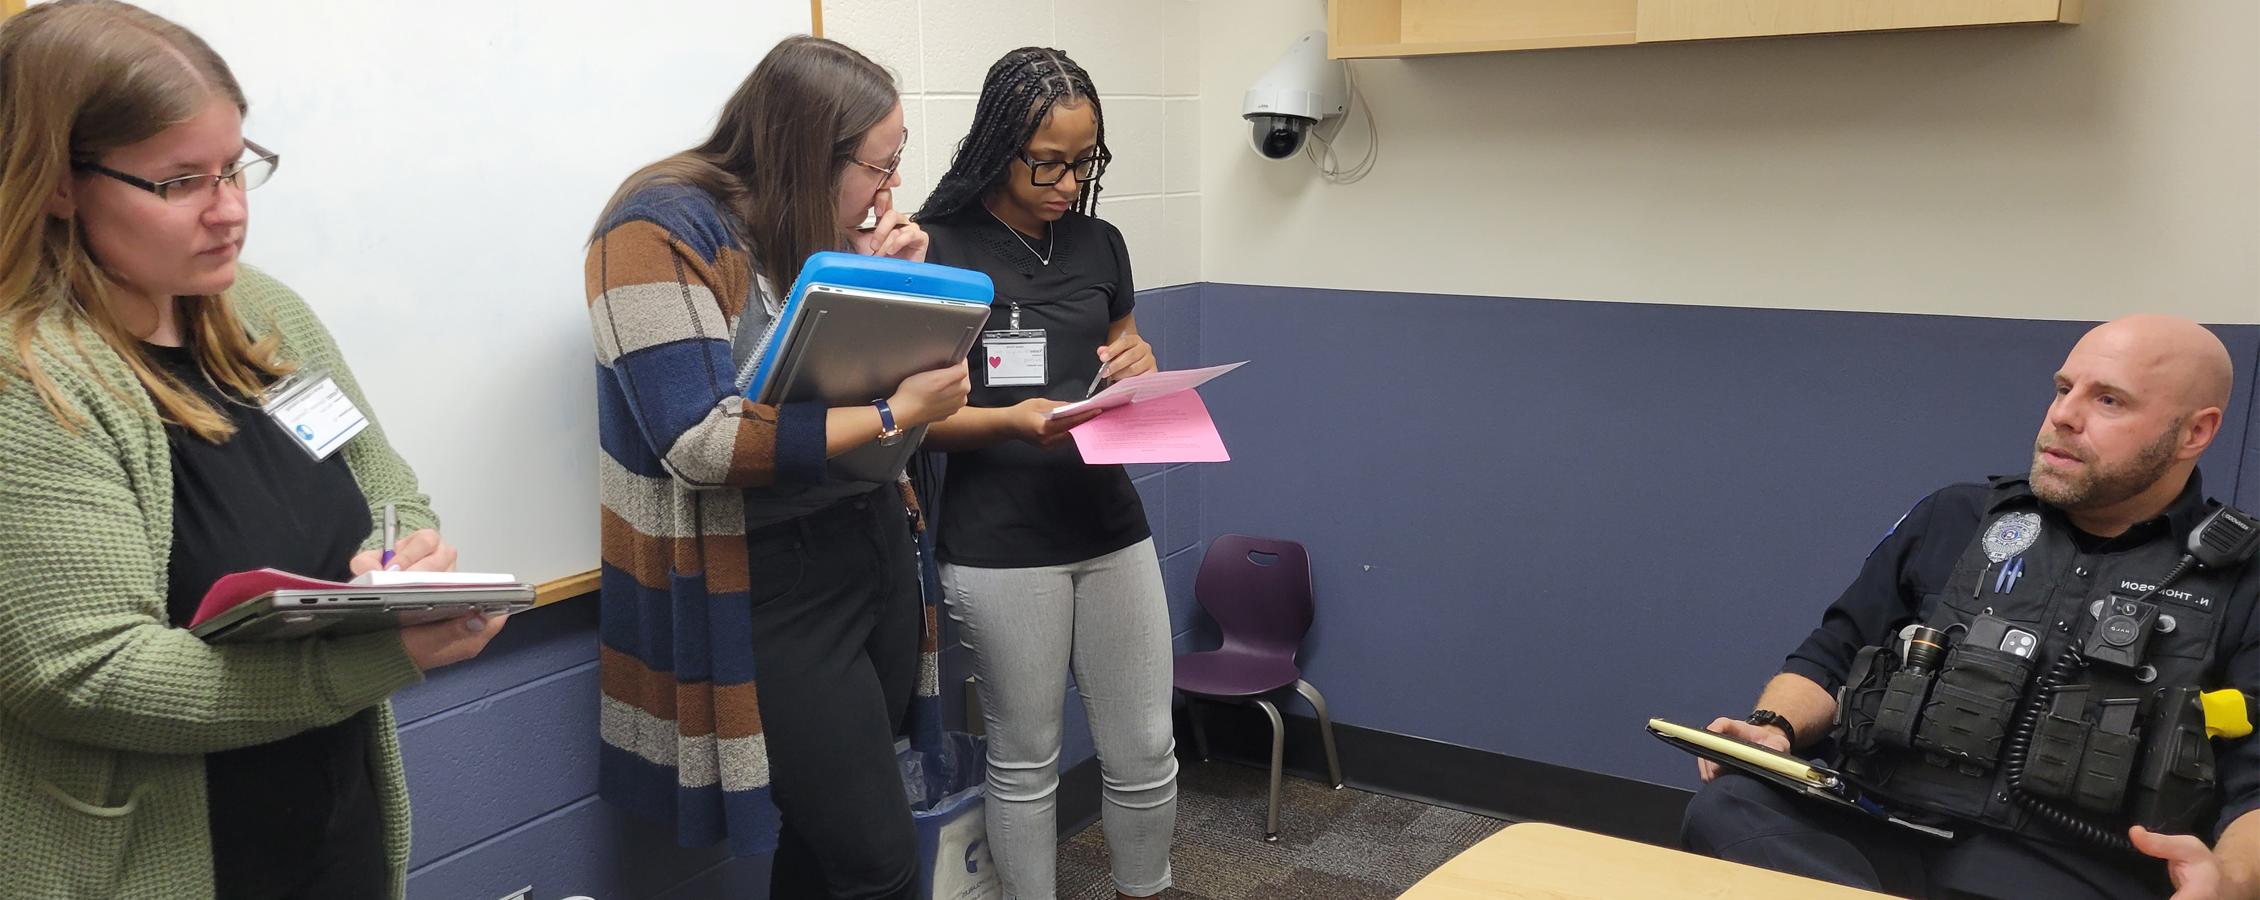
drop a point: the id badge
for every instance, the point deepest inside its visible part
(1014, 358)
(315, 411)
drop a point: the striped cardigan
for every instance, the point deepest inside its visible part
(682, 457)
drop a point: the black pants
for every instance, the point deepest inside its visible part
(299, 817)
(837, 647)
(360, 872)
(1742, 819)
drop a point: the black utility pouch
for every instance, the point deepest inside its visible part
(1859, 700)
(1903, 697)
(2111, 749)
(1971, 705)
(2059, 741)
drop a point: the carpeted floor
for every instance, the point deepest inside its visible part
(1333, 845)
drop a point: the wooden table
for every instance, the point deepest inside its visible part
(1536, 860)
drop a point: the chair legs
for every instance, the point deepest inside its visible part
(1278, 760)
(1325, 729)
(1278, 745)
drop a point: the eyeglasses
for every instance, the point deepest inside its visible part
(887, 172)
(1049, 172)
(188, 189)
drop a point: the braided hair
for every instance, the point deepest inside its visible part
(1019, 91)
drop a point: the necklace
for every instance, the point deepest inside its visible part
(1049, 233)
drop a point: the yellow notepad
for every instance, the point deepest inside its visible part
(1745, 752)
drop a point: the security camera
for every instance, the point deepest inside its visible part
(1298, 92)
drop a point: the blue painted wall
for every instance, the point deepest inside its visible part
(1535, 524)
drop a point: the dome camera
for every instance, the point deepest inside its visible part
(1298, 92)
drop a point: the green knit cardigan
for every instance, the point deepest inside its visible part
(106, 710)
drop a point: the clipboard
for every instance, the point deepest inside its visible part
(851, 330)
(1805, 777)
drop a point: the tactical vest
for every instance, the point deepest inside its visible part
(2115, 745)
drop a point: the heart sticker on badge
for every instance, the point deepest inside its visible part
(996, 361)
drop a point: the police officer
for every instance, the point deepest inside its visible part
(2103, 515)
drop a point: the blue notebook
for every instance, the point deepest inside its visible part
(851, 330)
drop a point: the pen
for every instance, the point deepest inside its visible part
(392, 535)
(1095, 381)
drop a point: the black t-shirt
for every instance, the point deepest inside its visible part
(1014, 505)
(281, 810)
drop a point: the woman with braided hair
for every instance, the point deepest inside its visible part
(1048, 562)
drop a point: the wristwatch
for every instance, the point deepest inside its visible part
(889, 435)
(1769, 717)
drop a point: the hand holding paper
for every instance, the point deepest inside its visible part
(1149, 386)
(1152, 418)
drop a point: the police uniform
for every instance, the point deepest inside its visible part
(1969, 556)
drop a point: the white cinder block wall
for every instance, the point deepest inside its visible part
(1143, 55)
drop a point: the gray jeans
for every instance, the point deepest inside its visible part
(1109, 618)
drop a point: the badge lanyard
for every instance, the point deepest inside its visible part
(314, 411)
(1014, 356)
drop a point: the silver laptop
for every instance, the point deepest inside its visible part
(285, 615)
(850, 346)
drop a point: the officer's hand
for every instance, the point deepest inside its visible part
(1761, 735)
(2196, 873)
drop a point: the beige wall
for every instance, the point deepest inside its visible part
(1143, 55)
(2071, 172)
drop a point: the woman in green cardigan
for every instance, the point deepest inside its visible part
(137, 465)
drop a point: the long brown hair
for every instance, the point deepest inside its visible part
(778, 151)
(78, 79)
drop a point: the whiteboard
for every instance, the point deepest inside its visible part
(442, 164)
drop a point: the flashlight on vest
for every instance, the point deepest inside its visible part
(1926, 646)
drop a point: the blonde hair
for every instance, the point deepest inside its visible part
(78, 79)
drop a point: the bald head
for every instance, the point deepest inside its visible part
(2137, 402)
(2172, 360)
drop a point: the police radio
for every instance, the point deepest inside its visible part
(2123, 625)
(2228, 537)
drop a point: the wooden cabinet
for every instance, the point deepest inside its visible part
(1385, 28)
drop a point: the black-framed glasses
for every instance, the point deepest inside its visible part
(1048, 172)
(187, 189)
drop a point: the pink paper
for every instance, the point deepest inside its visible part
(1171, 429)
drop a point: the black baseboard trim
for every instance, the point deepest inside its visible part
(1078, 797)
(1448, 775)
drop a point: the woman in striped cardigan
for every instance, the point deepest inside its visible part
(727, 548)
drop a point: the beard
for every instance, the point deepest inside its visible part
(2097, 485)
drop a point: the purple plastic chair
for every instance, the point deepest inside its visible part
(1258, 591)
